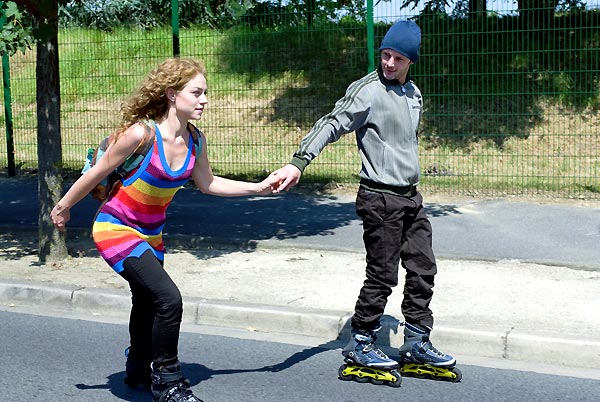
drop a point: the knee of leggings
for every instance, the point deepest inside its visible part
(171, 306)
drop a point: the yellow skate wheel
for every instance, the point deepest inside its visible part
(344, 373)
(352, 373)
(362, 377)
(426, 371)
(457, 375)
(362, 374)
(447, 374)
(397, 382)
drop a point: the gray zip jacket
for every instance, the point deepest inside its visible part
(385, 116)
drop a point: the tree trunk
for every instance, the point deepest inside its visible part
(52, 243)
(477, 8)
(311, 7)
(536, 14)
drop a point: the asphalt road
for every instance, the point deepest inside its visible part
(564, 234)
(61, 360)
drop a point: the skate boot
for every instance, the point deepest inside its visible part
(168, 385)
(137, 369)
(422, 360)
(365, 362)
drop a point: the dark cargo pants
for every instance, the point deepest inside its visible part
(395, 229)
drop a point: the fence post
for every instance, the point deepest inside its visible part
(370, 36)
(10, 146)
(175, 26)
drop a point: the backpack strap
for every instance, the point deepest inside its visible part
(196, 137)
(134, 160)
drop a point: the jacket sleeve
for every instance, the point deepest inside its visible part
(349, 113)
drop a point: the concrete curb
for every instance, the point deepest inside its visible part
(326, 324)
(267, 318)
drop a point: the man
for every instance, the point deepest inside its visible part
(384, 110)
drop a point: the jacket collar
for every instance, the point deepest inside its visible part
(385, 81)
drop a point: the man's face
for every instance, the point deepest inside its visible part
(394, 65)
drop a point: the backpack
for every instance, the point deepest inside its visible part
(104, 188)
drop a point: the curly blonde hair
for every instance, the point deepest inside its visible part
(149, 100)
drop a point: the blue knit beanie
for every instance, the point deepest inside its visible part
(405, 38)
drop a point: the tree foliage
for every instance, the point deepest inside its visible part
(223, 14)
(16, 33)
(146, 14)
(217, 14)
(473, 8)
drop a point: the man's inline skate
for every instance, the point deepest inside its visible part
(420, 359)
(365, 362)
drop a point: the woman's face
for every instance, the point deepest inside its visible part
(191, 100)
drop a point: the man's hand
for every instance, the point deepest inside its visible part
(287, 177)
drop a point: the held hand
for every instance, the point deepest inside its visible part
(60, 216)
(268, 185)
(287, 177)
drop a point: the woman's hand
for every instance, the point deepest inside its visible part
(269, 185)
(60, 216)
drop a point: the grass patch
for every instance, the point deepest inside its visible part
(501, 116)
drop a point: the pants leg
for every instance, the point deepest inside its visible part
(382, 237)
(419, 262)
(395, 229)
(157, 306)
(141, 320)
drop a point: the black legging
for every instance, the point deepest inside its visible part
(156, 309)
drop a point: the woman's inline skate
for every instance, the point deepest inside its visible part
(365, 362)
(169, 385)
(137, 368)
(419, 358)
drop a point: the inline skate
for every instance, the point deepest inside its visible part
(420, 359)
(169, 385)
(137, 368)
(365, 362)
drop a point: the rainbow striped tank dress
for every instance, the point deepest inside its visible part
(132, 220)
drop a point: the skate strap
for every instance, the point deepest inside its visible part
(428, 347)
(166, 378)
(369, 347)
(425, 346)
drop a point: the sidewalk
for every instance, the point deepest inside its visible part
(244, 263)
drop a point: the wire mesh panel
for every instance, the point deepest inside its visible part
(268, 84)
(22, 89)
(511, 102)
(98, 70)
(511, 96)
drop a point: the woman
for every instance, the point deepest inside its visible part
(128, 227)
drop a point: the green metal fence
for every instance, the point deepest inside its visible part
(511, 104)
